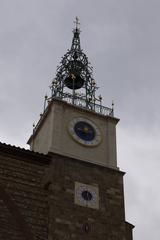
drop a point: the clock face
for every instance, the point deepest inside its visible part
(86, 195)
(84, 131)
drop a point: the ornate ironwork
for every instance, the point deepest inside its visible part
(74, 82)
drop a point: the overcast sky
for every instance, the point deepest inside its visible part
(122, 41)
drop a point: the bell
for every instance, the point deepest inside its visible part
(74, 81)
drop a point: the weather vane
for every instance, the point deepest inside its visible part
(77, 22)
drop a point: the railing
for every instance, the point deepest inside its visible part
(83, 103)
(77, 101)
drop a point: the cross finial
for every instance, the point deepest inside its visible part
(77, 22)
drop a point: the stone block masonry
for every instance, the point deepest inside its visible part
(23, 201)
(37, 198)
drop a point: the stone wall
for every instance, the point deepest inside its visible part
(23, 201)
(37, 198)
(70, 221)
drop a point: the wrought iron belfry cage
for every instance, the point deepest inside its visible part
(74, 82)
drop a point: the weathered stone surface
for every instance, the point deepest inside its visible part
(67, 220)
(37, 198)
(23, 201)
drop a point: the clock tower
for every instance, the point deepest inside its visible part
(84, 183)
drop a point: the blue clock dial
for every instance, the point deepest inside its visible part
(84, 131)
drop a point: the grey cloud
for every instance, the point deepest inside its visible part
(121, 39)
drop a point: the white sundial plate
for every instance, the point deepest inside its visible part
(93, 191)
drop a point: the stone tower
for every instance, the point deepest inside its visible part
(83, 181)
